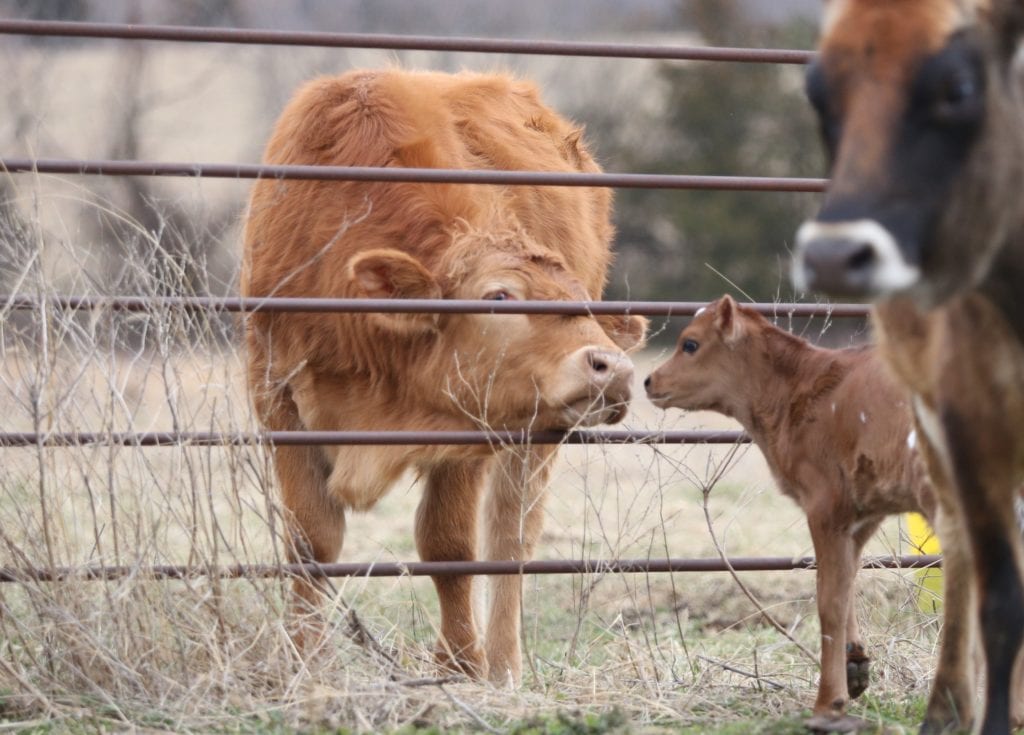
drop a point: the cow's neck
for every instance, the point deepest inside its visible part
(1005, 284)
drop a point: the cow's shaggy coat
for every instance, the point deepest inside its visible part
(424, 371)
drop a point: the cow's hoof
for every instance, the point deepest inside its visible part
(858, 667)
(469, 661)
(837, 723)
(940, 726)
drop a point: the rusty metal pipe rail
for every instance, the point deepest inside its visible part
(195, 34)
(410, 306)
(103, 167)
(449, 568)
(365, 438)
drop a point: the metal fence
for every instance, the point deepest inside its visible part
(323, 305)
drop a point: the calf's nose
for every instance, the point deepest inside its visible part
(647, 383)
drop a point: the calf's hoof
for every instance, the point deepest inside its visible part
(837, 723)
(858, 667)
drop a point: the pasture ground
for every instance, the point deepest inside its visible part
(603, 653)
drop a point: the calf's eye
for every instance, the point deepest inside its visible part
(501, 295)
(689, 346)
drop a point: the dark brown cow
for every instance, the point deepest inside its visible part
(836, 431)
(920, 111)
(424, 371)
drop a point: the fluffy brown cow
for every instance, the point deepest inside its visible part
(836, 431)
(921, 113)
(432, 372)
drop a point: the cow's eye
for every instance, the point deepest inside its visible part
(499, 295)
(958, 94)
(689, 346)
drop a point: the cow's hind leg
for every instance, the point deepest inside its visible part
(446, 531)
(514, 514)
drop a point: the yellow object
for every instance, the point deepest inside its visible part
(924, 541)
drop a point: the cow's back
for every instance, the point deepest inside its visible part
(417, 119)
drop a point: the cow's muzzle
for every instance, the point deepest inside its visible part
(860, 258)
(606, 387)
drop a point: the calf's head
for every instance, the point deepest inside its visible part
(712, 361)
(505, 371)
(918, 113)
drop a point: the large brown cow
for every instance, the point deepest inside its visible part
(836, 432)
(432, 372)
(921, 112)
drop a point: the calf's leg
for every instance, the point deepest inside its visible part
(446, 531)
(858, 664)
(836, 553)
(514, 514)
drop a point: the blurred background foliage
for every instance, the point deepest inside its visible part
(668, 117)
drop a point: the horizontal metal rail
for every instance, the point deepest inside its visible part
(133, 32)
(411, 306)
(396, 174)
(365, 438)
(449, 568)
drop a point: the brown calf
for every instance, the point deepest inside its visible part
(921, 113)
(423, 371)
(836, 432)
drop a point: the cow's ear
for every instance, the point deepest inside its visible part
(727, 320)
(628, 332)
(392, 274)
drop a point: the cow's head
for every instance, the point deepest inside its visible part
(917, 109)
(505, 371)
(714, 362)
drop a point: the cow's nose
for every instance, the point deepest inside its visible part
(608, 368)
(839, 266)
(859, 258)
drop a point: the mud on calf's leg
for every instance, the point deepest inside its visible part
(446, 531)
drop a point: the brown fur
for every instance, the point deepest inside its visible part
(421, 371)
(955, 337)
(834, 428)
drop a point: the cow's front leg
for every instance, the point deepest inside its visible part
(446, 531)
(514, 513)
(836, 554)
(981, 465)
(951, 702)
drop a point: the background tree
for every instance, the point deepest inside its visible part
(721, 118)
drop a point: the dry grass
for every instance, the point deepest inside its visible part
(683, 650)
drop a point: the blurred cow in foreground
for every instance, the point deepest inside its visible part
(426, 371)
(920, 110)
(837, 434)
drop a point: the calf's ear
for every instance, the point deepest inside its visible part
(628, 332)
(727, 320)
(392, 274)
